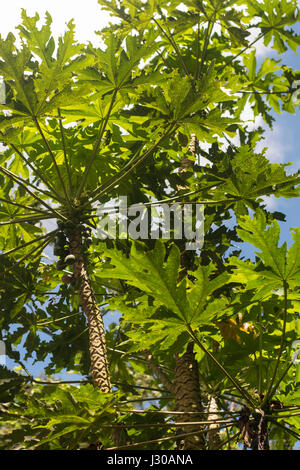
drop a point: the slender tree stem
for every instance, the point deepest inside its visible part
(24, 184)
(167, 425)
(65, 150)
(132, 168)
(163, 439)
(38, 248)
(284, 416)
(112, 178)
(198, 49)
(230, 439)
(159, 372)
(38, 173)
(53, 160)
(58, 319)
(28, 243)
(267, 92)
(167, 412)
(204, 50)
(174, 45)
(174, 198)
(144, 399)
(281, 378)
(244, 50)
(260, 351)
(97, 145)
(290, 431)
(271, 392)
(33, 218)
(22, 206)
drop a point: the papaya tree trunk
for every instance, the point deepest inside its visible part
(214, 439)
(188, 398)
(158, 372)
(97, 343)
(260, 439)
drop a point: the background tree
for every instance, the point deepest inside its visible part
(209, 334)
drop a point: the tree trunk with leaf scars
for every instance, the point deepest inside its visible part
(187, 387)
(97, 343)
(188, 398)
(214, 440)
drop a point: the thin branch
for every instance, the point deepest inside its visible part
(204, 50)
(97, 145)
(267, 92)
(137, 358)
(271, 392)
(167, 412)
(260, 339)
(23, 181)
(110, 210)
(39, 249)
(166, 425)
(24, 184)
(162, 439)
(27, 244)
(174, 198)
(198, 49)
(133, 400)
(158, 372)
(230, 397)
(125, 384)
(58, 319)
(286, 408)
(290, 431)
(38, 173)
(230, 439)
(174, 45)
(53, 160)
(22, 206)
(244, 50)
(282, 376)
(132, 168)
(284, 416)
(32, 218)
(65, 149)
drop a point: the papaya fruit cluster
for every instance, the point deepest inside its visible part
(62, 245)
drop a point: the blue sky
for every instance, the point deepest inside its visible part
(283, 142)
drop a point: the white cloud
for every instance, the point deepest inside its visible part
(271, 202)
(262, 50)
(280, 147)
(247, 115)
(87, 15)
(278, 142)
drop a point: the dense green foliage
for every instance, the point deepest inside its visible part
(82, 125)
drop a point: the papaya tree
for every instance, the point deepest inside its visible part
(153, 115)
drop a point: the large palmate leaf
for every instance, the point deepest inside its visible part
(149, 273)
(279, 266)
(274, 16)
(247, 176)
(152, 274)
